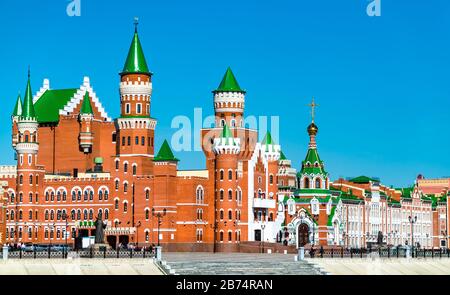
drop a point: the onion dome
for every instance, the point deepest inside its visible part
(313, 129)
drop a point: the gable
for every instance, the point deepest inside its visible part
(47, 107)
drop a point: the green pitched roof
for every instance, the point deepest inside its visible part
(28, 107)
(165, 153)
(86, 107)
(18, 107)
(363, 179)
(135, 62)
(312, 157)
(51, 102)
(229, 83)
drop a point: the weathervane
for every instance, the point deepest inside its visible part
(136, 22)
(313, 105)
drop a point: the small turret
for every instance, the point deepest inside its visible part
(229, 101)
(271, 150)
(226, 143)
(86, 116)
(15, 119)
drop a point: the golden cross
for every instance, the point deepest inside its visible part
(313, 105)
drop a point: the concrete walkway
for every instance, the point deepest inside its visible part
(383, 266)
(78, 267)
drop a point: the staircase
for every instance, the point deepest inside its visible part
(238, 264)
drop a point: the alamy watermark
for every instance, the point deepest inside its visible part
(197, 134)
(74, 8)
(374, 8)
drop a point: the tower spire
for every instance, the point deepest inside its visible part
(136, 23)
(312, 128)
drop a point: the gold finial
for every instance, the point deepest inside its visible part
(313, 105)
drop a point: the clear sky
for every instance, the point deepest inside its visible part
(382, 83)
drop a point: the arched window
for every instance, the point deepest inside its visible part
(230, 236)
(12, 216)
(221, 214)
(86, 195)
(199, 195)
(72, 214)
(79, 195)
(30, 197)
(230, 214)
(221, 236)
(221, 195)
(106, 214)
(78, 214)
(136, 140)
(116, 204)
(58, 196)
(147, 214)
(147, 237)
(116, 185)
(31, 179)
(47, 195)
(117, 164)
(52, 196)
(230, 195)
(221, 174)
(230, 174)
(106, 195)
(318, 185)
(125, 167)
(91, 214)
(74, 196)
(46, 214)
(271, 179)
(306, 182)
(147, 194)
(64, 196)
(270, 216)
(125, 187)
(37, 179)
(134, 169)
(85, 214)
(20, 197)
(12, 198)
(52, 215)
(58, 214)
(100, 195)
(125, 207)
(21, 179)
(91, 195)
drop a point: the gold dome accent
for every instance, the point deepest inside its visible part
(313, 129)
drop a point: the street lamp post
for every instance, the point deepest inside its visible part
(159, 215)
(412, 221)
(314, 217)
(263, 226)
(137, 233)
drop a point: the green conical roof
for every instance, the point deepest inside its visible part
(86, 107)
(135, 62)
(18, 107)
(268, 139)
(229, 83)
(165, 153)
(282, 156)
(28, 107)
(312, 157)
(226, 132)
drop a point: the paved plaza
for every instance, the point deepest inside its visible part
(384, 266)
(78, 267)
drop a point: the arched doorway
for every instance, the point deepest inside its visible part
(303, 235)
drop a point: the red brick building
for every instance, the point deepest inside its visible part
(74, 162)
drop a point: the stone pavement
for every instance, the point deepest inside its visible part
(383, 266)
(82, 266)
(238, 264)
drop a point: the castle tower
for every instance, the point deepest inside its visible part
(29, 174)
(229, 102)
(15, 118)
(85, 118)
(136, 127)
(227, 229)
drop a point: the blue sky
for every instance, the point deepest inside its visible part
(382, 82)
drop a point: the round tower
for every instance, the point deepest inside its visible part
(136, 127)
(29, 174)
(229, 102)
(86, 116)
(226, 149)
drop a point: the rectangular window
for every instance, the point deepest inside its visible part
(138, 108)
(127, 108)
